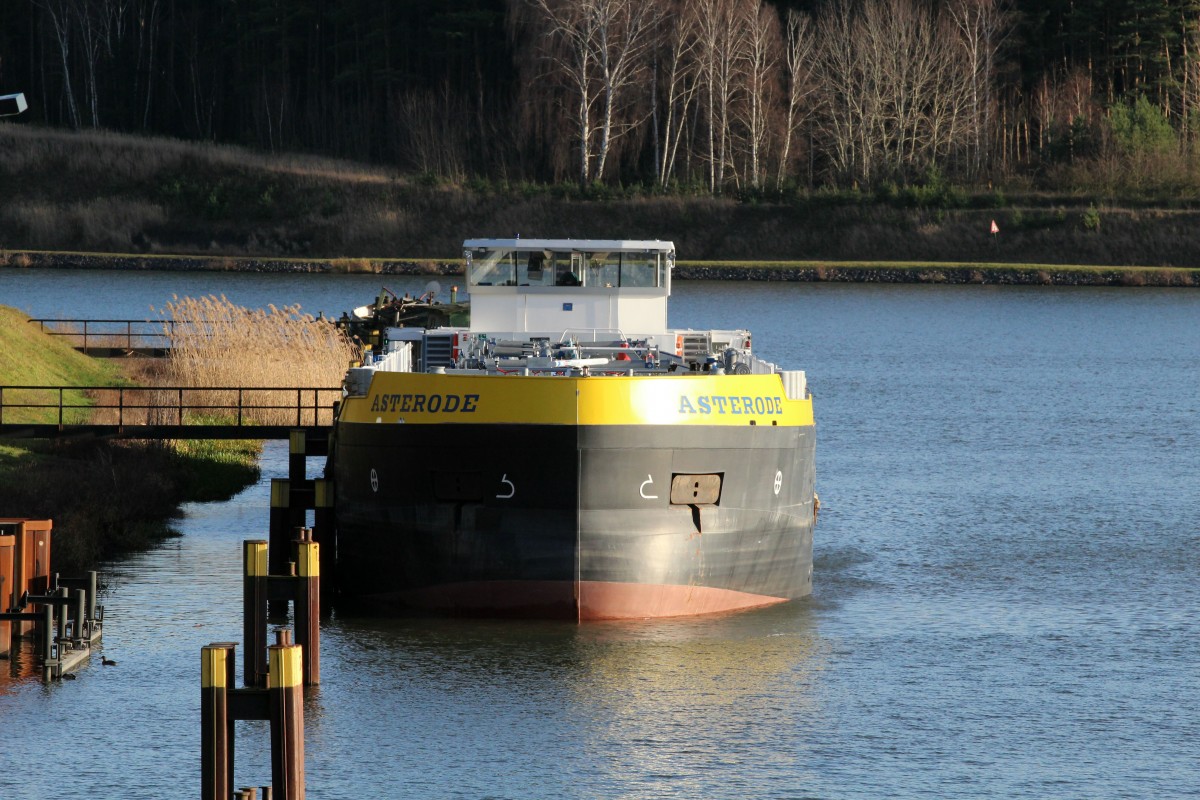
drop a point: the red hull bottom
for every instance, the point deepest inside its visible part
(581, 601)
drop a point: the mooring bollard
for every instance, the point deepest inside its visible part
(278, 528)
(216, 728)
(325, 532)
(255, 591)
(297, 456)
(286, 710)
(285, 517)
(79, 625)
(92, 589)
(49, 652)
(63, 594)
(65, 617)
(301, 587)
(281, 701)
(307, 605)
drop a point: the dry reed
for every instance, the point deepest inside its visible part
(231, 355)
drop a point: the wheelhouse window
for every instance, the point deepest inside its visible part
(608, 270)
(490, 268)
(534, 267)
(605, 270)
(643, 269)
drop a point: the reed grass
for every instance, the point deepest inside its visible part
(234, 353)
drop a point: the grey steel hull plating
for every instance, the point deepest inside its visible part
(572, 521)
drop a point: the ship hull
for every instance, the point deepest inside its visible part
(573, 521)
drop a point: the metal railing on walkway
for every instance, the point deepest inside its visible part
(165, 412)
(110, 337)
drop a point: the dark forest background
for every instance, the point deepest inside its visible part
(716, 96)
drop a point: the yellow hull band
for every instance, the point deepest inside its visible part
(413, 397)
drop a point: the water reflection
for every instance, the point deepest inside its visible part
(691, 704)
(20, 667)
(618, 708)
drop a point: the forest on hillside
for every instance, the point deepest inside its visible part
(721, 96)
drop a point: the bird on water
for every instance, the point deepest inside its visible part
(108, 662)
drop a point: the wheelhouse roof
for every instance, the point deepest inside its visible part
(585, 245)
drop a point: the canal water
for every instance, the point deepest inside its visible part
(1006, 603)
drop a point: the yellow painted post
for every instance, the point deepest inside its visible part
(287, 514)
(254, 612)
(307, 605)
(216, 755)
(297, 453)
(285, 701)
(280, 531)
(325, 532)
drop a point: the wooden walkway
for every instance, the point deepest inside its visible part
(171, 412)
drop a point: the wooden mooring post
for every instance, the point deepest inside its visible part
(61, 613)
(30, 568)
(280, 703)
(64, 631)
(8, 546)
(291, 499)
(300, 585)
(216, 726)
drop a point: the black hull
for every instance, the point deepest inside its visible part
(572, 521)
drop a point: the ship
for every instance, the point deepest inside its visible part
(551, 448)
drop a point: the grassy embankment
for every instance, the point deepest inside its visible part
(110, 497)
(224, 206)
(105, 497)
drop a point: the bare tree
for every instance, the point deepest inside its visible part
(1189, 89)
(983, 26)
(600, 48)
(61, 18)
(1062, 103)
(843, 77)
(146, 31)
(678, 80)
(760, 77)
(432, 127)
(722, 33)
(895, 87)
(94, 21)
(798, 64)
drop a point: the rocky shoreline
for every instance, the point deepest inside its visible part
(814, 272)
